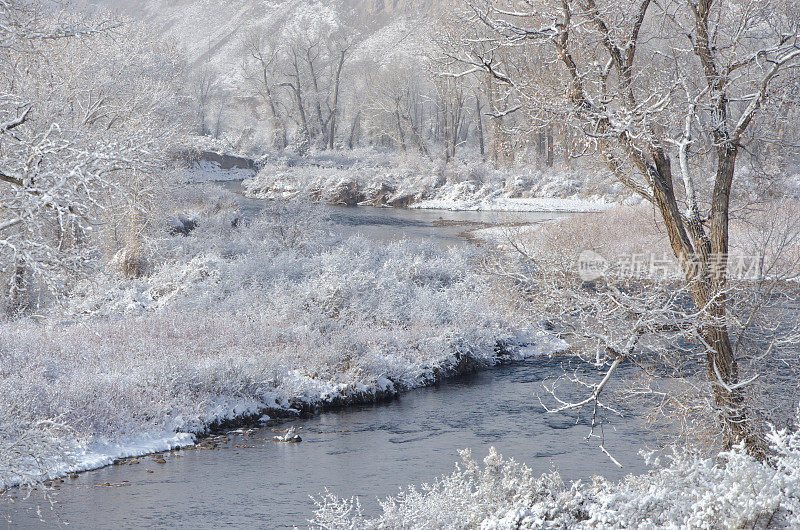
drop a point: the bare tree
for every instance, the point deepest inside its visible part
(451, 102)
(333, 110)
(260, 67)
(647, 81)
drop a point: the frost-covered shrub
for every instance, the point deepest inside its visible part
(271, 312)
(29, 450)
(730, 491)
(471, 495)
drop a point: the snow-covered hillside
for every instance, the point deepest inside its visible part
(211, 32)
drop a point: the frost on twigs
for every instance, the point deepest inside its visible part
(689, 491)
(637, 332)
(31, 451)
(275, 313)
(88, 116)
(464, 499)
(421, 183)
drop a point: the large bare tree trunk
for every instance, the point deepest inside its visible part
(723, 73)
(704, 257)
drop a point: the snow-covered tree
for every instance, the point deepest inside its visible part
(88, 109)
(666, 93)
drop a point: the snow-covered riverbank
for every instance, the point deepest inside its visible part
(686, 491)
(384, 179)
(64, 453)
(275, 316)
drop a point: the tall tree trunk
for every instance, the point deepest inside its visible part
(416, 136)
(479, 120)
(317, 106)
(457, 122)
(305, 132)
(566, 144)
(541, 146)
(351, 139)
(705, 262)
(297, 89)
(400, 134)
(550, 147)
(278, 129)
(446, 130)
(335, 109)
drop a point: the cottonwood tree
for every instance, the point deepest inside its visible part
(667, 92)
(452, 103)
(639, 315)
(207, 95)
(310, 62)
(398, 108)
(509, 132)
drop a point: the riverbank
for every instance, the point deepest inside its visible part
(730, 490)
(378, 178)
(81, 457)
(270, 315)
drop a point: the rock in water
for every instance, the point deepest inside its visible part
(291, 437)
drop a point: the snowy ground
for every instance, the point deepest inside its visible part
(273, 315)
(242, 319)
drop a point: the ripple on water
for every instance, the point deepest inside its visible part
(368, 451)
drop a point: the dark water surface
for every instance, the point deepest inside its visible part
(445, 227)
(369, 451)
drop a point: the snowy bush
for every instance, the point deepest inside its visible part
(730, 491)
(274, 312)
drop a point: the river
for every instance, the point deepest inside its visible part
(369, 451)
(444, 227)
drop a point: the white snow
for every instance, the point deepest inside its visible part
(731, 490)
(378, 177)
(232, 322)
(101, 454)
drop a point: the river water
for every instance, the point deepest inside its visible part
(445, 227)
(368, 451)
